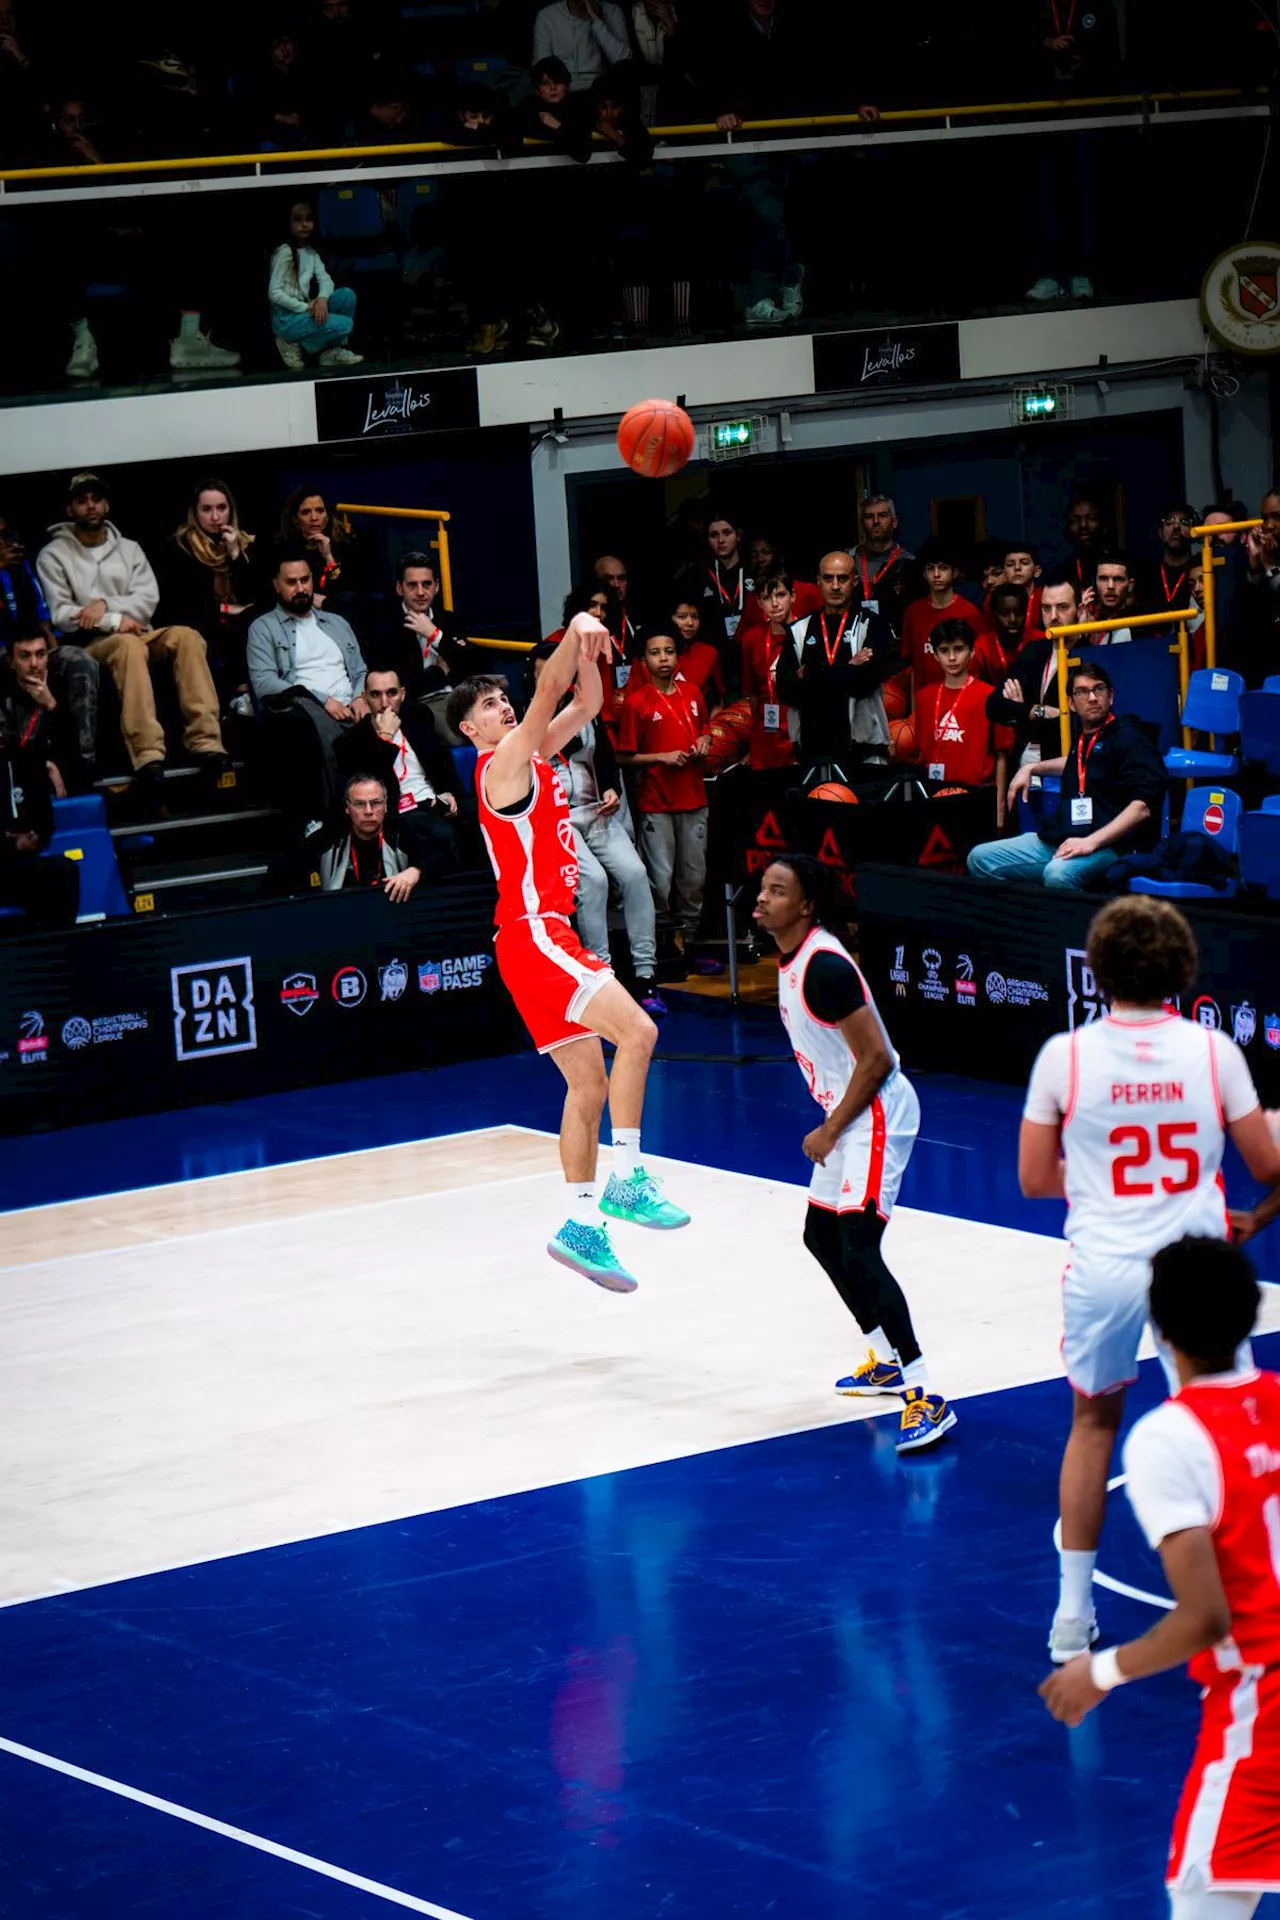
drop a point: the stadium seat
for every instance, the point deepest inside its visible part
(1271, 804)
(1272, 683)
(80, 834)
(1214, 812)
(410, 196)
(464, 759)
(1260, 730)
(1260, 851)
(1038, 802)
(351, 218)
(1212, 706)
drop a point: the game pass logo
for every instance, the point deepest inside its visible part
(1085, 1003)
(213, 1009)
(452, 976)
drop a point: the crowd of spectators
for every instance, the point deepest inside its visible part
(585, 78)
(889, 661)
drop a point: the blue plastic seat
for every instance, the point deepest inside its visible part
(1039, 803)
(80, 834)
(1215, 813)
(410, 195)
(1272, 683)
(464, 759)
(1260, 730)
(1212, 706)
(1260, 850)
(351, 218)
(1271, 804)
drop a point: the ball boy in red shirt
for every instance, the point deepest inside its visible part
(663, 734)
(960, 747)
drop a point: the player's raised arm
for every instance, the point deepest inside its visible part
(506, 778)
(587, 701)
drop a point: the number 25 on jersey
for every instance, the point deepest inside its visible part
(1160, 1159)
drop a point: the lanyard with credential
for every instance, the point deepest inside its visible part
(868, 584)
(355, 864)
(685, 713)
(30, 728)
(1083, 758)
(713, 574)
(832, 647)
(1171, 593)
(1059, 31)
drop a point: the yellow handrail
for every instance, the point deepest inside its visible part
(1208, 561)
(1059, 636)
(440, 543)
(308, 156)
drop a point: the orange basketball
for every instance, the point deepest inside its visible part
(942, 793)
(902, 736)
(656, 438)
(833, 790)
(896, 694)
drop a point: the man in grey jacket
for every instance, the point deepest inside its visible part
(103, 595)
(306, 660)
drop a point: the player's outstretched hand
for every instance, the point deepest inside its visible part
(1069, 1692)
(594, 639)
(1243, 1224)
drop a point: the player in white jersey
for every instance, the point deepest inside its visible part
(861, 1147)
(1126, 1119)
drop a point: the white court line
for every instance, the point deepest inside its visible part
(1105, 1579)
(391, 1895)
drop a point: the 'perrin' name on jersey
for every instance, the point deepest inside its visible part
(1142, 1093)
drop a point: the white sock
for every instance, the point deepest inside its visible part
(188, 326)
(626, 1152)
(581, 1195)
(1075, 1593)
(878, 1344)
(80, 328)
(916, 1374)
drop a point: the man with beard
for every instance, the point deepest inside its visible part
(887, 578)
(1085, 537)
(306, 661)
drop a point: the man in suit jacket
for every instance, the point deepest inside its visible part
(421, 638)
(306, 661)
(402, 749)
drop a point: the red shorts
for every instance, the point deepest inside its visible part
(1227, 1832)
(550, 975)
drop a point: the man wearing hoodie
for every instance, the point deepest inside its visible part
(102, 592)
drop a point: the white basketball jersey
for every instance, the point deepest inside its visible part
(821, 1050)
(1143, 1110)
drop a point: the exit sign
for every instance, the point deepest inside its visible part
(1033, 406)
(732, 436)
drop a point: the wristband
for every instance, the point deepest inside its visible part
(1104, 1670)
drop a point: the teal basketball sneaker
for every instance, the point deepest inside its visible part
(640, 1203)
(589, 1251)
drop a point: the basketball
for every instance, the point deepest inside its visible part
(896, 694)
(656, 438)
(902, 736)
(833, 790)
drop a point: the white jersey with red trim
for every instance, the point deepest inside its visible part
(1142, 1102)
(822, 1052)
(531, 851)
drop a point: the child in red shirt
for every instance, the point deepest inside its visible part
(959, 746)
(1013, 626)
(697, 659)
(1022, 569)
(942, 602)
(771, 744)
(663, 734)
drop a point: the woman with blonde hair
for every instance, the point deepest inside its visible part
(209, 578)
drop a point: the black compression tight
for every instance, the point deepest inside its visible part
(847, 1248)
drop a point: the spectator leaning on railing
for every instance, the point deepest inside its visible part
(102, 591)
(1112, 786)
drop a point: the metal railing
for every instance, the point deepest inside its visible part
(440, 543)
(1209, 560)
(1060, 635)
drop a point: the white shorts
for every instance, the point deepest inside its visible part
(1213, 1904)
(871, 1157)
(1104, 1315)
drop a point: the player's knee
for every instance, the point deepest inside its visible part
(1101, 1413)
(591, 1087)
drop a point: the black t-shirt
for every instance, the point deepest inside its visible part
(832, 986)
(365, 869)
(1123, 765)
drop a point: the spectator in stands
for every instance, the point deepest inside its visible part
(1027, 698)
(719, 583)
(391, 116)
(1111, 597)
(598, 598)
(1112, 786)
(304, 660)
(1253, 647)
(308, 313)
(424, 645)
(990, 570)
(101, 590)
(1009, 620)
(697, 661)
(74, 675)
(955, 738)
(276, 100)
(663, 734)
(344, 47)
(589, 771)
(887, 577)
(831, 672)
(629, 629)
(1085, 537)
(337, 563)
(587, 35)
(771, 745)
(209, 578)
(668, 82)
(1022, 569)
(39, 718)
(940, 567)
(402, 749)
(1224, 513)
(1082, 56)
(19, 93)
(1170, 583)
(47, 891)
(367, 852)
(550, 114)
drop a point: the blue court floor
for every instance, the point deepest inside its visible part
(795, 1678)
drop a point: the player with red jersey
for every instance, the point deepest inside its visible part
(1203, 1476)
(566, 996)
(1127, 1119)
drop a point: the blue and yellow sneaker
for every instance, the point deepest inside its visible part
(925, 1418)
(873, 1376)
(639, 1202)
(589, 1251)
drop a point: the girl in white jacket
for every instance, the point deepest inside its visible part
(308, 313)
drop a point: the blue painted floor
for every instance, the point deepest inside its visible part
(794, 1679)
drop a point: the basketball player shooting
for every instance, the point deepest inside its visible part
(567, 997)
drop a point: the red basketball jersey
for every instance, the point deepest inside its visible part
(1242, 1419)
(531, 852)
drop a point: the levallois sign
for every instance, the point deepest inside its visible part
(390, 406)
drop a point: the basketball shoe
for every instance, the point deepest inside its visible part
(873, 1376)
(589, 1251)
(925, 1418)
(1068, 1637)
(639, 1202)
